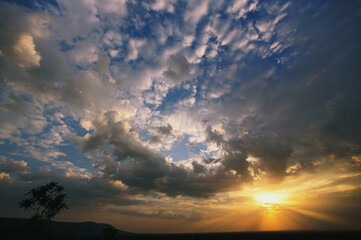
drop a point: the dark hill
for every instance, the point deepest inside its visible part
(19, 228)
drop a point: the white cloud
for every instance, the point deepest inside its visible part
(187, 40)
(75, 19)
(118, 7)
(158, 91)
(113, 39)
(134, 46)
(266, 29)
(161, 5)
(199, 52)
(238, 7)
(195, 11)
(43, 155)
(84, 52)
(70, 168)
(241, 7)
(230, 36)
(19, 115)
(185, 123)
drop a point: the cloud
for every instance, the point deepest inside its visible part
(5, 177)
(214, 136)
(83, 17)
(249, 89)
(163, 5)
(82, 191)
(241, 8)
(11, 165)
(178, 68)
(83, 53)
(34, 62)
(134, 46)
(163, 137)
(163, 131)
(162, 214)
(271, 150)
(195, 11)
(113, 6)
(25, 54)
(158, 91)
(144, 170)
(20, 115)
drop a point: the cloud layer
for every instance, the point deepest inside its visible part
(127, 102)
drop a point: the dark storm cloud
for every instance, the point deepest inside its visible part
(198, 168)
(340, 134)
(144, 170)
(213, 136)
(98, 190)
(270, 149)
(211, 160)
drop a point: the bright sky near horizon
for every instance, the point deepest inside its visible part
(184, 116)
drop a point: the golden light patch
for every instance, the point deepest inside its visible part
(25, 53)
(267, 199)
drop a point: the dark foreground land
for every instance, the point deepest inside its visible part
(15, 228)
(298, 235)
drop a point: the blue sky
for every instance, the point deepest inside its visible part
(150, 104)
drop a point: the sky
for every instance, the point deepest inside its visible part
(184, 116)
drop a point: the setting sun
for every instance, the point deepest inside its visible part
(269, 199)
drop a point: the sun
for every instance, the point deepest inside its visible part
(267, 199)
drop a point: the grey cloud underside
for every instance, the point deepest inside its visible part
(155, 139)
(144, 170)
(165, 130)
(178, 68)
(162, 131)
(10, 165)
(269, 148)
(81, 191)
(162, 214)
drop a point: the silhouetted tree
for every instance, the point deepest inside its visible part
(46, 200)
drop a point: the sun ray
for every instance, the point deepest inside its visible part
(321, 216)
